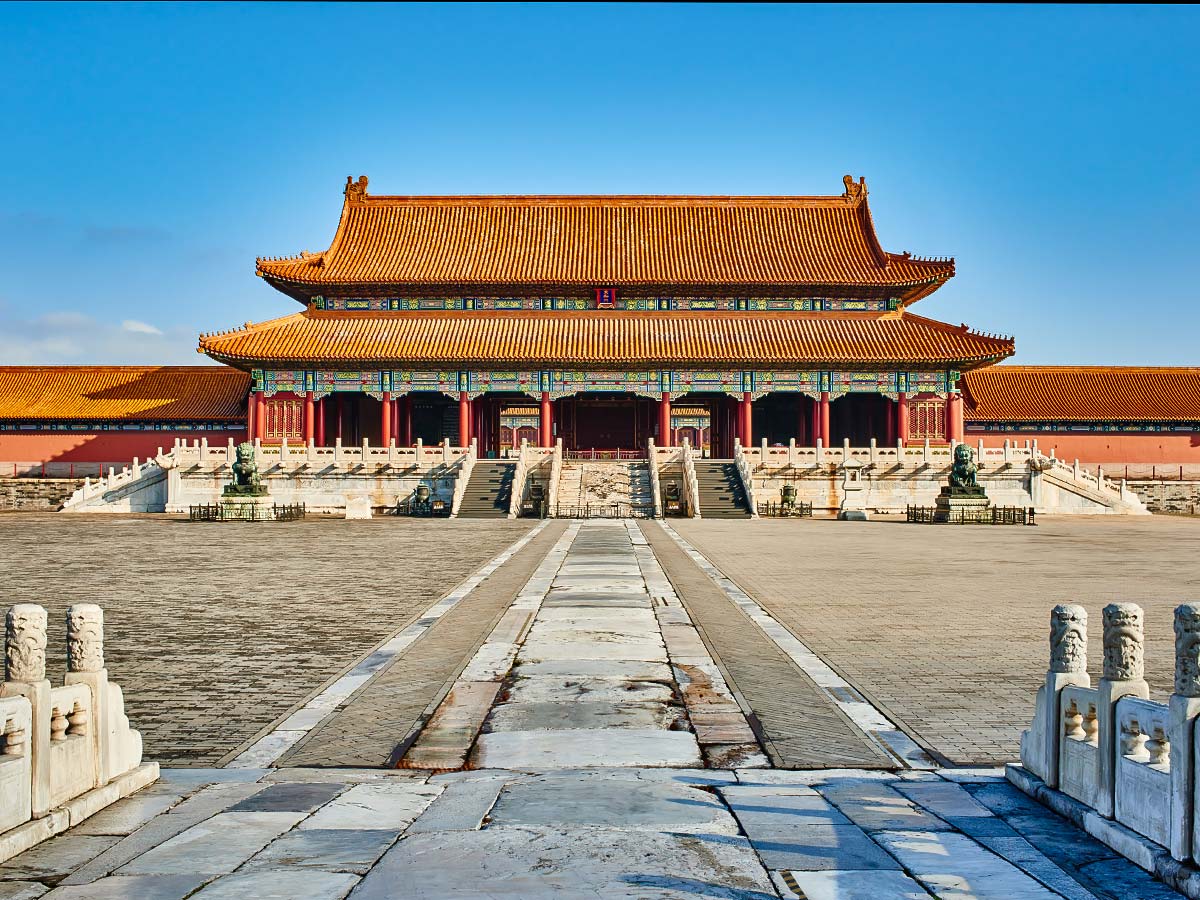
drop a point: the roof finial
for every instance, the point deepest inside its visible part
(854, 191)
(356, 190)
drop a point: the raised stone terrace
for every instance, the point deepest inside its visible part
(618, 709)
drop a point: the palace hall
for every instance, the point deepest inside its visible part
(604, 322)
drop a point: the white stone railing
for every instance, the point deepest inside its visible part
(690, 485)
(466, 465)
(745, 467)
(529, 460)
(653, 455)
(127, 478)
(766, 459)
(289, 457)
(66, 751)
(1131, 764)
(556, 462)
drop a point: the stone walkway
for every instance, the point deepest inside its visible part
(590, 740)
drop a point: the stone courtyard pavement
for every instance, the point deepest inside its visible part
(945, 629)
(587, 709)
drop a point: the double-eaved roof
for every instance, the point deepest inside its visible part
(606, 241)
(591, 339)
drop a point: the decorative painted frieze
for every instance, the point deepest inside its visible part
(563, 383)
(90, 427)
(1085, 427)
(620, 302)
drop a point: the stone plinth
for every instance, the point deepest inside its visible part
(252, 509)
(956, 506)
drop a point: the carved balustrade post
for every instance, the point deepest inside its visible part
(1068, 668)
(25, 676)
(85, 665)
(1124, 667)
(1183, 708)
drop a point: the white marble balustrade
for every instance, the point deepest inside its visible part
(65, 751)
(1127, 760)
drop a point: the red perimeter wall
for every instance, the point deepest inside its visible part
(98, 446)
(1103, 447)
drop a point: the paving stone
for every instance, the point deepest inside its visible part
(878, 884)
(215, 846)
(596, 646)
(576, 799)
(56, 857)
(531, 751)
(131, 887)
(200, 806)
(595, 689)
(463, 805)
(280, 884)
(954, 867)
(21, 890)
(631, 670)
(374, 806)
(1122, 880)
(817, 848)
(943, 799)
(538, 863)
(336, 849)
(560, 715)
(127, 815)
(874, 807)
(781, 806)
(289, 797)
(603, 600)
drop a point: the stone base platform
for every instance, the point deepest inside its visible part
(961, 508)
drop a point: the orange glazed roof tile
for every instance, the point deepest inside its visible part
(116, 393)
(605, 241)
(1082, 394)
(598, 338)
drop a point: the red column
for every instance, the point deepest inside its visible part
(340, 415)
(902, 417)
(954, 417)
(801, 421)
(546, 429)
(320, 410)
(747, 423)
(251, 415)
(890, 436)
(664, 421)
(464, 419)
(406, 434)
(823, 409)
(309, 418)
(385, 427)
(260, 417)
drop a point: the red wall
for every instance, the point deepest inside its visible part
(1103, 447)
(100, 446)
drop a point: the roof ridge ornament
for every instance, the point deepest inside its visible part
(854, 192)
(356, 191)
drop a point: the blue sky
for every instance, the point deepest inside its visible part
(151, 152)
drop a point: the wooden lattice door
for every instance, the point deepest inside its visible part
(927, 420)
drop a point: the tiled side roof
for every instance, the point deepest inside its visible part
(123, 393)
(605, 241)
(1082, 394)
(599, 338)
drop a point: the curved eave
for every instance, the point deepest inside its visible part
(763, 340)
